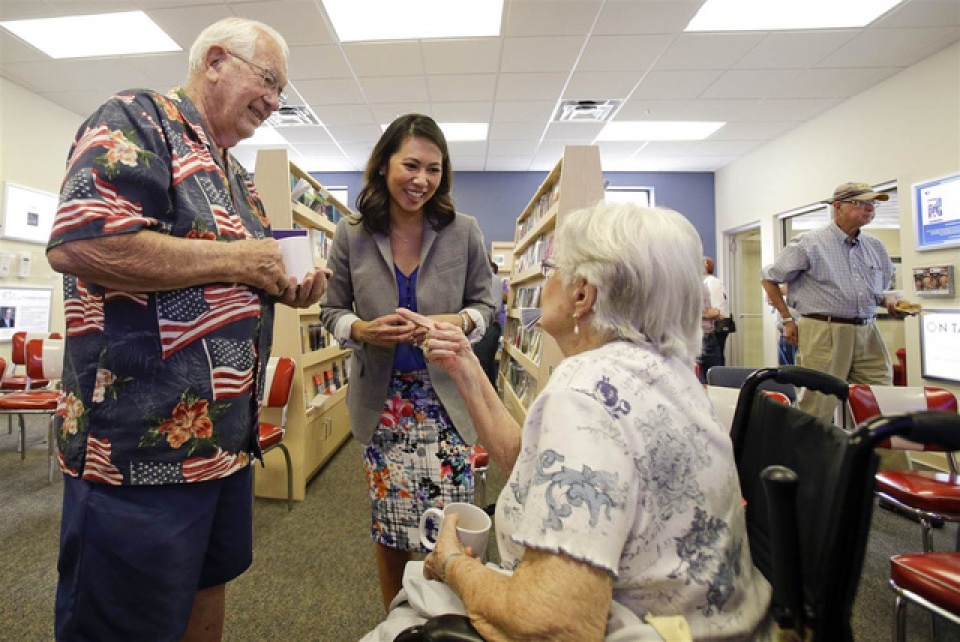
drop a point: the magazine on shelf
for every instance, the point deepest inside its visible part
(529, 316)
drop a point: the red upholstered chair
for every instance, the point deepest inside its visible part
(279, 383)
(44, 361)
(13, 382)
(480, 463)
(928, 496)
(930, 580)
(900, 368)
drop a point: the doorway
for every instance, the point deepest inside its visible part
(742, 280)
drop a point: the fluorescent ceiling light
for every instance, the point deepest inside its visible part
(105, 34)
(265, 137)
(770, 15)
(646, 130)
(459, 132)
(356, 20)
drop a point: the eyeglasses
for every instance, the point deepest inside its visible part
(862, 204)
(267, 77)
(547, 267)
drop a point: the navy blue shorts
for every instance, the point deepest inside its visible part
(133, 557)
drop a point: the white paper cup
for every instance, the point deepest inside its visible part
(473, 529)
(892, 296)
(297, 252)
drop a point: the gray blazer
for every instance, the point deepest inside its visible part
(454, 274)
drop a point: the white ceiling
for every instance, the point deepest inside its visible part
(762, 84)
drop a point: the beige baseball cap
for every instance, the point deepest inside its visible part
(857, 192)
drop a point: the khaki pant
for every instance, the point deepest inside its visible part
(855, 353)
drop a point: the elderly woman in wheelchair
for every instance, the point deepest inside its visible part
(623, 507)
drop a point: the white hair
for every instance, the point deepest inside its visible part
(239, 35)
(646, 264)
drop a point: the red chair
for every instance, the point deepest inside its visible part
(900, 368)
(44, 361)
(928, 496)
(930, 580)
(279, 383)
(18, 357)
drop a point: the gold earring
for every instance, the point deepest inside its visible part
(576, 324)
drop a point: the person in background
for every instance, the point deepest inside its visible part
(486, 348)
(623, 498)
(718, 300)
(710, 352)
(410, 248)
(786, 351)
(170, 279)
(836, 277)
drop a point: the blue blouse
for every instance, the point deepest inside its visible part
(408, 357)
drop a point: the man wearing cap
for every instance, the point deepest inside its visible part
(836, 276)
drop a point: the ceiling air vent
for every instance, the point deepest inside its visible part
(293, 115)
(585, 111)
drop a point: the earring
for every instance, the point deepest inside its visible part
(576, 324)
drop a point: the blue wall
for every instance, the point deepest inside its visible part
(497, 198)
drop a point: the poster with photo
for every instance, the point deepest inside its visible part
(936, 210)
(24, 309)
(27, 213)
(933, 281)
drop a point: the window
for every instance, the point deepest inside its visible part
(642, 196)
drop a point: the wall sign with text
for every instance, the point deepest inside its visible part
(936, 211)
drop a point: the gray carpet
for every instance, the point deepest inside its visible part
(314, 573)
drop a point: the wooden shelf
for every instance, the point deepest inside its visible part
(575, 182)
(312, 434)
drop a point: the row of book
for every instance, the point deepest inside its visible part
(535, 252)
(314, 336)
(528, 340)
(325, 382)
(524, 386)
(527, 297)
(537, 211)
(303, 192)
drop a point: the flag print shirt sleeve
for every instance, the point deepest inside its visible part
(158, 387)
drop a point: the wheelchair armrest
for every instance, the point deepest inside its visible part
(449, 627)
(780, 487)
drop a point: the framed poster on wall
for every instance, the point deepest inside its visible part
(27, 213)
(24, 308)
(936, 213)
(940, 345)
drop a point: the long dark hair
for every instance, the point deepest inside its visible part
(373, 201)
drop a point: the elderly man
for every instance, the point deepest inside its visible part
(171, 276)
(836, 276)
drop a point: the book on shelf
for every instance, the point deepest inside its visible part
(529, 316)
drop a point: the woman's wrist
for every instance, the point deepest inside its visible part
(446, 561)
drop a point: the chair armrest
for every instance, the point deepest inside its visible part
(449, 627)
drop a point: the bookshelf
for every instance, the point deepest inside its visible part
(317, 421)
(529, 354)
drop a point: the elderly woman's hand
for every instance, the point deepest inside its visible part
(448, 548)
(444, 343)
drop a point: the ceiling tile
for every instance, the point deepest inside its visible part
(573, 133)
(757, 83)
(890, 47)
(386, 113)
(707, 50)
(516, 131)
(467, 56)
(524, 111)
(336, 91)
(463, 112)
(832, 83)
(377, 59)
(394, 89)
(317, 61)
(930, 13)
(514, 87)
(540, 54)
(306, 135)
(625, 17)
(473, 87)
(596, 85)
(794, 50)
(549, 17)
(673, 85)
(622, 53)
(345, 115)
(299, 22)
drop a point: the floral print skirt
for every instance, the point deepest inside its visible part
(416, 460)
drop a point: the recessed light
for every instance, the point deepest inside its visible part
(459, 132)
(124, 33)
(771, 15)
(414, 19)
(646, 130)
